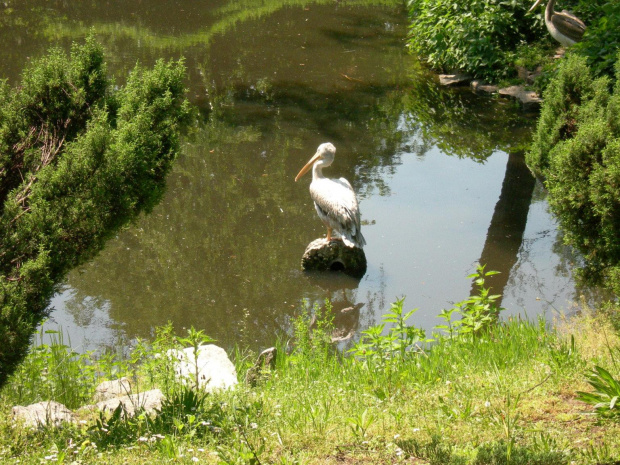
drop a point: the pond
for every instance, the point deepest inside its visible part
(439, 174)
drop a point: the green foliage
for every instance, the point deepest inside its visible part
(477, 36)
(437, 452)
(379, 350)
(462, 400)
(606, 396)
(600, 43)
(153, 367)
(312, 332)
(557, 122)
(77, 162)
(53, 371)
(195, 339)
(577, 148)
(478, 313)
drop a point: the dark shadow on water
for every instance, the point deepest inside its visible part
(505, 233)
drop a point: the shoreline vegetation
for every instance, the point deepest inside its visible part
(477, 391)
(491, 40)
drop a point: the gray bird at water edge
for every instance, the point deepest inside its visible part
(334, 199)
(563, 26)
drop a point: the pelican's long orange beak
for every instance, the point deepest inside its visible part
(307, 166)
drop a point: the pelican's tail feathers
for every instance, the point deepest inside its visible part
(361, 242)
(353, 240)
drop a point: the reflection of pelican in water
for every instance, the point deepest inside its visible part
(565, 27)
(334, 199)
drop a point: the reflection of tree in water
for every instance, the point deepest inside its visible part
(83, 308)
(571, 263)
(463, 124)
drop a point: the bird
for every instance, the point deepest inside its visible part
(563, 26)
(334, 199)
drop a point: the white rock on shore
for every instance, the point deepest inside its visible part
(42, 413)
(213, 369)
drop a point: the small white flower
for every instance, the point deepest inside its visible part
(194, 459)
(142, 439)
(487, 404)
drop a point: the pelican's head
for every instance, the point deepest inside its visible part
(538, 2)
(324, 154)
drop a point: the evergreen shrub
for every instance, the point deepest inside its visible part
(576, 149)
(77, 162)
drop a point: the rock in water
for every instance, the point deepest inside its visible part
(452, 80)
(530, 101)
(321, 255)
(213, 369)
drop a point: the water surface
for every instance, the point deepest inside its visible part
(439, 173)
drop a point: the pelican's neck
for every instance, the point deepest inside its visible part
(549, 10)
(317, 170)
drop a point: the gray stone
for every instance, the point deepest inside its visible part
(264, 365)
(149, 401)
(453, 80)
(481, 87)
(213, 368)
(528, 98)
(321, 255)
(111, 389)
(527, 75)
(42, 413)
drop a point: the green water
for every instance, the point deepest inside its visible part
(439, 172)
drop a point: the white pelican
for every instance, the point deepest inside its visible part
(564, 26)
(334, 199)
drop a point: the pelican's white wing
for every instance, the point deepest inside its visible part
(337, 207)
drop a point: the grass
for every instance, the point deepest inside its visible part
(504, 395)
